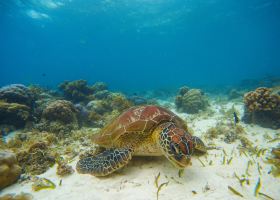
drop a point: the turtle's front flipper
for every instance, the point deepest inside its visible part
(104, 163)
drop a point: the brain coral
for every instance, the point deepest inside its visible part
(9, 169)
(191, 100)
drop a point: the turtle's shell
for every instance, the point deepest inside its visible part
(136, 120)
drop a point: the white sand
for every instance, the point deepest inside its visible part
(136, 181)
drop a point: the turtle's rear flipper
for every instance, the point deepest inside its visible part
(104, 163)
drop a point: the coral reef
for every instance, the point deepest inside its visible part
(37, 159)
(191, 100)
(76, 91)
(17, 93)
(9, 169)
(59, 116)
(118, 102)
(14, 114)
(100, 111)
(16, 105)
(138, 100)
(60, 110)
(262, 107)
(99, 86)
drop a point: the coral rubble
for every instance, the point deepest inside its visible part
(9, 169)
(262, 107)
(191, 100)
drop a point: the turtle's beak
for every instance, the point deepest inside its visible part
(182, 163)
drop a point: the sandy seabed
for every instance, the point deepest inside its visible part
(137, 179)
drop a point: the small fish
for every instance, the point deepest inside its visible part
(234, 191)
(44, 74)
(236, 119)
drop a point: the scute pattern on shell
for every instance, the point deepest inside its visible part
(139, 119)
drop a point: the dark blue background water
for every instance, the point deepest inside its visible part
(139, 44)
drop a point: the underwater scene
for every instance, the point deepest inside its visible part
(139, 99)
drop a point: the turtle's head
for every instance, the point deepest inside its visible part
(176, 144)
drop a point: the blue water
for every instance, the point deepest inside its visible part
(139, 44)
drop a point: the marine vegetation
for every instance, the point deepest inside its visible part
(42, 184)
(60, 117)
(9, 168)
(229, 133)
(262, 107)
(191, 100)
(37, 159)
(142, 130)
(274, 159)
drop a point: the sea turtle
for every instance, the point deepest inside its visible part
(145, 131)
